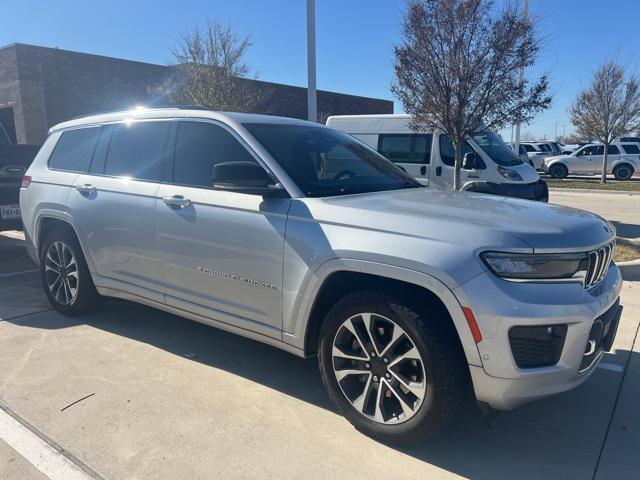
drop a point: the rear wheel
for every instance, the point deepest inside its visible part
(65, 276)
(558, 171)
(395, 373)
(623, 172)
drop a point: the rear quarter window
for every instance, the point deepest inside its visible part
(74, 150)
(631, 149)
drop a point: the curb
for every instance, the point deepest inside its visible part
(630, 270)
(591, 190)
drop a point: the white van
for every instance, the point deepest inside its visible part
(489, 166)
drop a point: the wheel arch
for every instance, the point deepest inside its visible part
(47, 221)
(339, 277)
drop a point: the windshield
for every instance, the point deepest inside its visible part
(324, 162)
(495, 147)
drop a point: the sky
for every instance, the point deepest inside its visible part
(355, 39)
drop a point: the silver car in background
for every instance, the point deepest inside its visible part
(302, 237)
(623, 161)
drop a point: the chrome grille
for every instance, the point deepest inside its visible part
(599, 261)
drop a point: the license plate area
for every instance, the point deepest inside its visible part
(9, 212)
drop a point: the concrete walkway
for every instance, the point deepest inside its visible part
(165, 398)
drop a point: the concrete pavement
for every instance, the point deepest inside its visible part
(169, 398)
(620, 208)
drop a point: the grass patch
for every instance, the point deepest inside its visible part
(594, 184)
(625, 252)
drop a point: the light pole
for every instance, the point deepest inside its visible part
(517, 147)
(312, 106)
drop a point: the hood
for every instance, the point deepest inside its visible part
(472, 219)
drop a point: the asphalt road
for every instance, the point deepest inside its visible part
(131, 392)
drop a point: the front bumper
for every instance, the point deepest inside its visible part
(499, 305)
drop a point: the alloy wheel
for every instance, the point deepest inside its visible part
(378, 368)
(61, 273)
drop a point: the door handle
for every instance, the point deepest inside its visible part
(86, 189)
(438, 171)
(176, 201)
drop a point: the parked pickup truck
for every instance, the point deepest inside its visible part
(14, 161)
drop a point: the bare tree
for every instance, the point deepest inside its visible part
(210, 71)
(610, 107)
(457, 68)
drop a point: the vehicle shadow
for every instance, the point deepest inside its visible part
(560, 434)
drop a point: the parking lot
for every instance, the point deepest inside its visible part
(132, 392)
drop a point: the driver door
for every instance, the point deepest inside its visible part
(444, 163)
(584, 160)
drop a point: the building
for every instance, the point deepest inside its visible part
(41, 86)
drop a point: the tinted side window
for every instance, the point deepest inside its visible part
(74, 150)
(200, 146)
(528, 148)
(612, 150)
(408, 148)
(448, 153)
(396, 148)
(135, 150)
(632, 149)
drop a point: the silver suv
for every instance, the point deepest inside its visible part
(302, 237)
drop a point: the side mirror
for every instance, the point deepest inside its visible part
(469, 161)
(245, 177)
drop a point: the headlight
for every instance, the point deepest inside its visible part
(532, 266)
(509, 174)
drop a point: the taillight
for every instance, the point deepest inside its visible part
(26, 181)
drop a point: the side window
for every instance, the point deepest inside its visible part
(599, 150)
(200, 146)
(135, 150)
(612, 150)
(409, 148)
(448, 152)
(528, 148)
(422, 150)
(592, 150)
(74, 150)
(631, 149)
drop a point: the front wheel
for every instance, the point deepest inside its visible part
(397, 374)
(558, 171)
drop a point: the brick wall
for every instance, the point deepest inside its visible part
(48, 86)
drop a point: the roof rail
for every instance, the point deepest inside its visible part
(144, 107)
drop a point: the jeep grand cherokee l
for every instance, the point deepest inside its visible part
(302, 237)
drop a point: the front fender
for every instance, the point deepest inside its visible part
(296, 333)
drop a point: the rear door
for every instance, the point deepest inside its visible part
(221, 251)
(613, 155)
(114, 205)
(412, 152)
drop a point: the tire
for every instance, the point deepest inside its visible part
(558, 171)
(74, 293)
(444, 374)
(623, 171)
